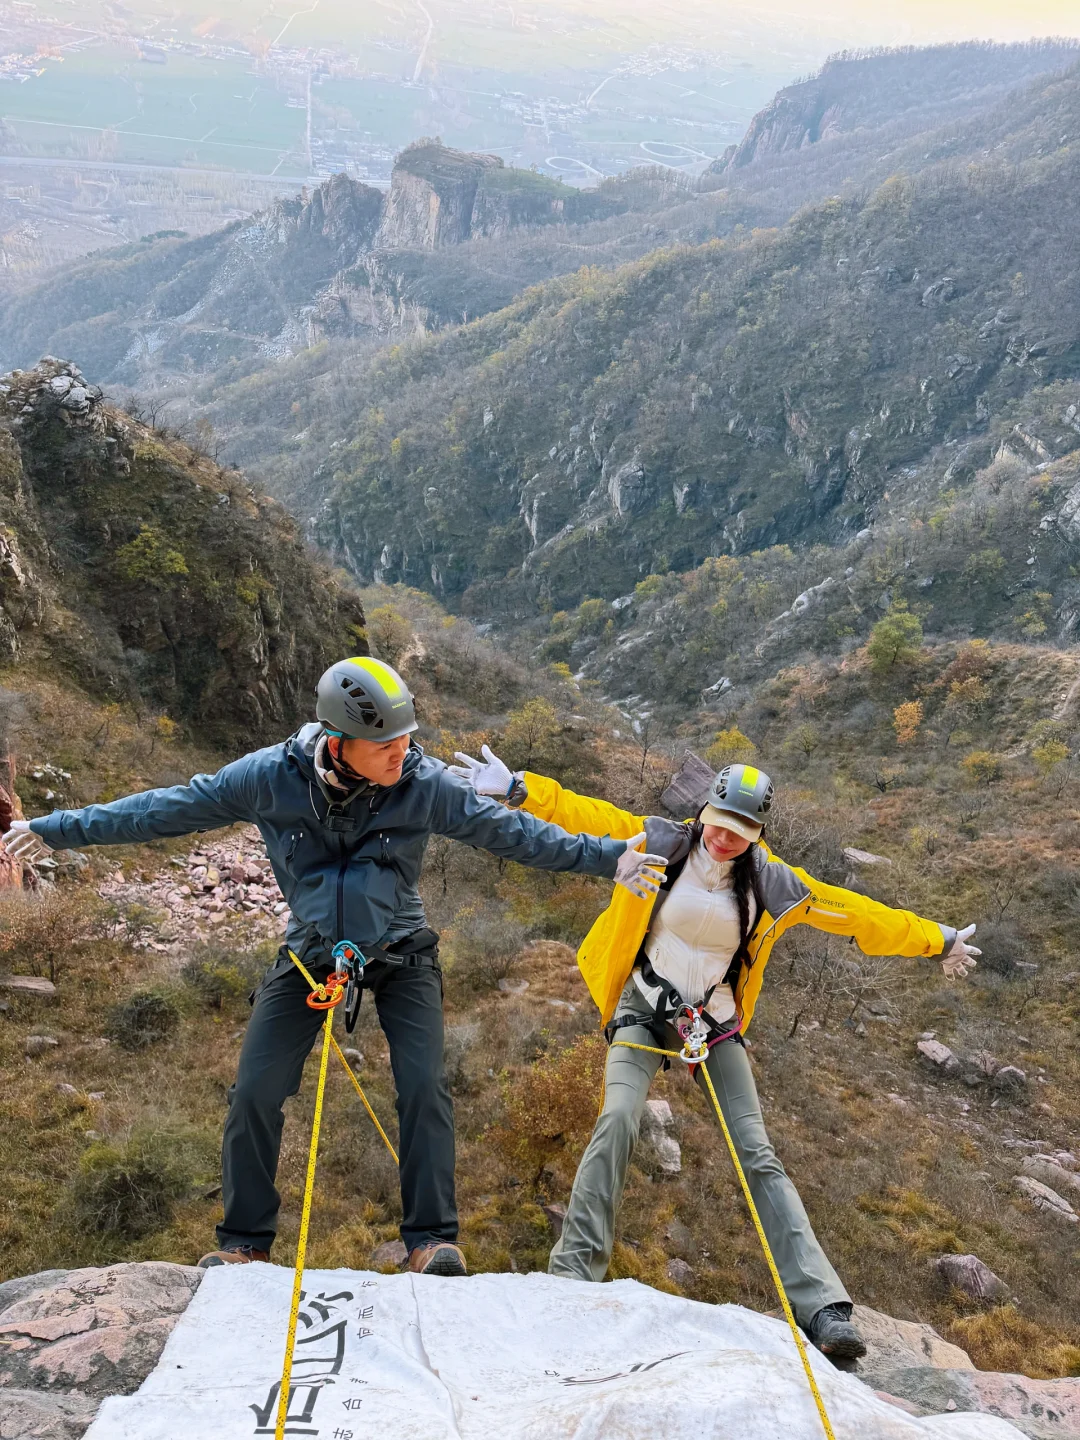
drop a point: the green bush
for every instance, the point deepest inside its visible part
(217, 973)
(128, 1190)
(144, 1018)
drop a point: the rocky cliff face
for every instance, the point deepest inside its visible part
(897, 91)
(157, 315)
(148, 571)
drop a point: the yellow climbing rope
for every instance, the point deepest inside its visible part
(756, 1218)
(301, 1244)
(327, 996)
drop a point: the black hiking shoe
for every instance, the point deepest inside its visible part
(834, 1335)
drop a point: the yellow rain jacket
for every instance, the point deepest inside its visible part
(789, 896)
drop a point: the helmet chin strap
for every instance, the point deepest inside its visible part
(341, 765)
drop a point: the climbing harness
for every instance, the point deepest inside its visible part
(325, 996)
(692, 1056)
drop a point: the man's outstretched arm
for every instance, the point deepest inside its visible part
(462, 814)
(207, 803)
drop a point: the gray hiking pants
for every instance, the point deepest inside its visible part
(279, 1038)
(588, 1235)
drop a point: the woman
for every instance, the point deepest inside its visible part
(686, 937)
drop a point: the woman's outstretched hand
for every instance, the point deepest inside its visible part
(488, 776)
(638, 871)
(22, 843)
(961, 958)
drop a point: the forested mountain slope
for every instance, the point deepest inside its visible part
(767, 388)
(135, 569)
(348, 268)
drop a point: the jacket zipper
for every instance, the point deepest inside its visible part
(342, 867)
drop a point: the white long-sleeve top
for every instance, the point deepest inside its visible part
(695, 934)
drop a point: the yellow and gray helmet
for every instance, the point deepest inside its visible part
(740, 799)
(364, 699)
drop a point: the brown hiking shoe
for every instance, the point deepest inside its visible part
(242, 1255)
(440, 1258)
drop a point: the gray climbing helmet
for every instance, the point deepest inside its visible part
(364, 699)
(740, 793)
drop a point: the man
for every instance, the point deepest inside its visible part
(345, 807)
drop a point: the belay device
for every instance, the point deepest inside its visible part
(693, 1029)
(351, 961)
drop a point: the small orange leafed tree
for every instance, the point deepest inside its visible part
(906, 721)
(551, 1107)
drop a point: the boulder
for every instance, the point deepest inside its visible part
(95, 1332)
(969, 1274)
(37, 1415)
(864, 857)
(1045, 1199)
(35, 1045)
(1050, 1171)
(939, 1056)
(28, 984)
(679, 1272)
(902, 1344)
(390, 1252)
(1009, 1080)
(1040, 1409)
(556, 1215)
(661, 1150)
(679, 1240)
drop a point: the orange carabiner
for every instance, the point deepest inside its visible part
(330, 993)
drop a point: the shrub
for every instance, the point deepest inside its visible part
(730, 747)
(551, 1106)
(129, 1190)
(1048, 755)
(144, 1018)
(389, 632)
(895, 639)
(483, 944)
(984, 766)
(50, 929)
(906, 721)
(218, 973)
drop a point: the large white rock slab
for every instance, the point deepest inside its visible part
(519, 1357)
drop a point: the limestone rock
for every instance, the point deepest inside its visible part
(679, 1240)
(556, 1216)
(39, 1044)
(97, 1331)
(902, 1344)
(969, 1274)
(1045, 1199)
(679, 1272)
(1051, 1172)
(1009, 1080)
(1041, 1409)
(390, 1252)
(28, 984)
(864, 857)
(38, 1415)
(660, 1145)
(939, 1055)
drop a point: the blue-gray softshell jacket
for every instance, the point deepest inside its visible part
(345, 872)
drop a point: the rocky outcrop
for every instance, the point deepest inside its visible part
(440, 196)
(71, 1337)
(152, 572)
(432, 192)
(913, 1363)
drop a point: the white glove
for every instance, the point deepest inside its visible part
(961, 958)
(21, 843)
(488, 776)
(638, 871)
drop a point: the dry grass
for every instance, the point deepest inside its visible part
(1002, 1339)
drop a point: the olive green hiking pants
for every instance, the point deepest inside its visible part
(583, 1250)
